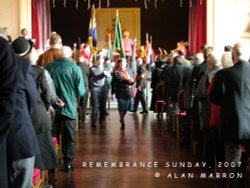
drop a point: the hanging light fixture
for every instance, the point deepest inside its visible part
(190, 3)
(181, 3)
(145, 4)
(89, 6)
(155, 3)
(100, 4)
(76, 4)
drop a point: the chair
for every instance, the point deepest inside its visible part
(160, 103)
(181, 113)
(57, 147)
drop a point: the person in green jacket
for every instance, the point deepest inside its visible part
(69, 84)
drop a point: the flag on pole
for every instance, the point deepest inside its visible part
(110, 51)
(151, 60)
(147, 49)
(92, 27)
(149, 54)
(133, 63)
(118, 44)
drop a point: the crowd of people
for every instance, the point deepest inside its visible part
(216, 90)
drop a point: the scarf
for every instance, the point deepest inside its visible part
(124, 74)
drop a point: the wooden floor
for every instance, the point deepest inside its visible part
(143, 142)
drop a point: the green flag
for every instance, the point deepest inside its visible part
(118, 44)
(110, 51)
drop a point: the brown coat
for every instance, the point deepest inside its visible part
(49, 56)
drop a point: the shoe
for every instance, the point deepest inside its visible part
(102, 125)
(106, 113)
(144, 112)
(93, 126)
(123, 127)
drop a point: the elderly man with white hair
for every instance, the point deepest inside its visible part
(214, 63)
(68, 80)
(231, 90)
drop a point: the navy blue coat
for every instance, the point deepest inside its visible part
(21, 140)
(8, 88)
(231, 90)
(172, 80)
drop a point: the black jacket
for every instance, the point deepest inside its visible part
(231, 90)
(120, 86)
(8, 92)
(21, 140)
(172, 81)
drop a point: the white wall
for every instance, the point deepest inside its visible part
(15, 14)
(226, 21)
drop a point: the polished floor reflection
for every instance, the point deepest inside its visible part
(144, 155)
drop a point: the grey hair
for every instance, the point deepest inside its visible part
(66, 51)
(214, 58)
(3, 33)
(199, 58)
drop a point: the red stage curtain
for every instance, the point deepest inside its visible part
(41, 24)
(197, 26)
(35, 23)
(44, 17)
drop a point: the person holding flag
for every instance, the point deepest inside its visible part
(133, 65)
(149, 54)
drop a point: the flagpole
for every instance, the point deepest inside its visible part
(110, 52)
(133, 64)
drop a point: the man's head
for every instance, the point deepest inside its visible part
(99, 60)
(227, 48)
(66, 52)
(177, 60)
(121, 64)
(241, 52)
(22, 46)
(55, 40)
(213, 60)
(199, 58)
(126, 34)
(207, 51)
(24, 32)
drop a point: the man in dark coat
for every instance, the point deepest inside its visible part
(8, 92)
(140, 86)
(198, 71)
(84, 100)
(22, 146)
(172, 81)
(231, 90)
